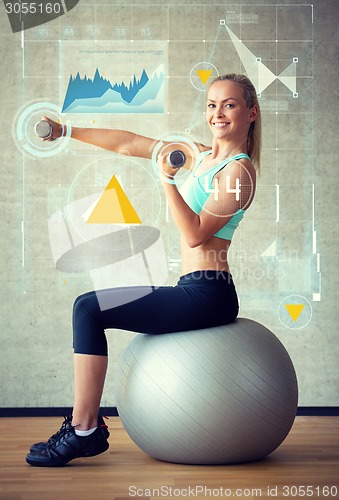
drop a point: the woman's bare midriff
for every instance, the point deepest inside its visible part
(210, 255)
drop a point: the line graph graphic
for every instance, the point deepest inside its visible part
(100, 95)
(258, 73)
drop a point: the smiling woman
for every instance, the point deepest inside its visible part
(212, 203)
(207, 210)
(244, 99)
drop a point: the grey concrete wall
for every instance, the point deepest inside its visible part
(279, 256)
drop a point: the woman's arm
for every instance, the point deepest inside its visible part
(118, 141)
(121, 141)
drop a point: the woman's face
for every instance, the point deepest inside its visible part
(227, 113)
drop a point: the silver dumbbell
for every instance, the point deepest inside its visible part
(44, 129)
(176, 158)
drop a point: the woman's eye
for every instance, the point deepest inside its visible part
(228, 105)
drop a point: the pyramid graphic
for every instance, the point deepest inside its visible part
(113, 207)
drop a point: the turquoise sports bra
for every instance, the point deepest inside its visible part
(194, 192)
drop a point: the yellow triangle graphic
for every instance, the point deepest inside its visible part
(204, 74)
(113, 207)
(294, 310)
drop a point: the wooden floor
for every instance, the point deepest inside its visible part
(305, 465)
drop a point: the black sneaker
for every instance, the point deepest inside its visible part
(67, 422)
(68, 446)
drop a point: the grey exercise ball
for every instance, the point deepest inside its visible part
(219, 395)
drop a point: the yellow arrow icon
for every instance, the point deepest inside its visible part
(294, 310)
(204, 74)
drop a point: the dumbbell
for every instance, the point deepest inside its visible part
(176, 158)
(44, 129)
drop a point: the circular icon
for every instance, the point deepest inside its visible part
(295, 312)
(107, 196)
(166, 145)
(104, 227)
(239, 191)
(202, 74)
(24, 130)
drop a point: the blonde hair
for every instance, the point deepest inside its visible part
(250, 95)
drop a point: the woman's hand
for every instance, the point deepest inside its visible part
(166, 171)
(58, 130)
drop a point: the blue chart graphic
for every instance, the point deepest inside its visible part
(99, 95)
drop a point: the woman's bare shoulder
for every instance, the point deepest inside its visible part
(201, 147)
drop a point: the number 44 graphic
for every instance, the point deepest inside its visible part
(215, 190)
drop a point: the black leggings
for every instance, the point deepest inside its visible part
(199, 300)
